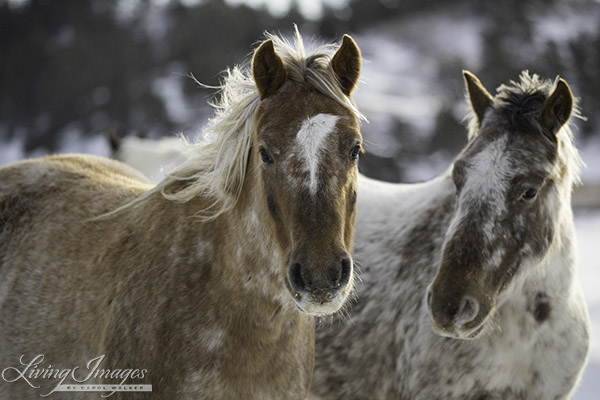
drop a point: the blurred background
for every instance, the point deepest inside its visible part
(74, 71)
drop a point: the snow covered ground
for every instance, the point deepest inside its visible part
(588, 238)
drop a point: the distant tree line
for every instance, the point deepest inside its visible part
(79, 64)
(90, 66)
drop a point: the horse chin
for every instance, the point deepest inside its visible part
(320, 309)
(323, 302)
(320, 306)
(461, 332)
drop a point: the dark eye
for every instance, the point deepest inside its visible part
(529, 194)
(264, 156)
(355, 152)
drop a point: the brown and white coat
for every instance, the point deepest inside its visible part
(484, 255)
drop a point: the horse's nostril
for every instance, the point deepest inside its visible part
(346, 271)
(451, 311)
(334, 274)
(339, 274)
(295, 277)
(315, 279)
(469, 307)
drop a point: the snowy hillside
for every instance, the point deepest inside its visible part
(406, 60)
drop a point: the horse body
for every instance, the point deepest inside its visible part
(533, 345)
(171, 332)
(205, 291)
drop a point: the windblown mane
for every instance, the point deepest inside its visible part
(520, 103)
(216, 166)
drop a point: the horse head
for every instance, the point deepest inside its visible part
(305, 149)
(508, 191)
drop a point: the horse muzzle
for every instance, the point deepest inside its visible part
(459, 317)
(320, 290)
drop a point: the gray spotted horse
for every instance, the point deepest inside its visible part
(205, 285)
(469, 280)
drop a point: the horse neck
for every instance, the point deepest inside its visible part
(250, 253)
(553, 273)
(399, 233)
(235, 246)
(559, 205)
(397, 209)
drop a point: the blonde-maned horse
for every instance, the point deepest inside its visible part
(205, 286)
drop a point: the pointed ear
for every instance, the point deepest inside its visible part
(267, 69)
(557, 108)
(346, 64)
(479, 97)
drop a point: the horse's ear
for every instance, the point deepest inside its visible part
(267, 69)
(479, 97)
(557, 108)
(346, 64)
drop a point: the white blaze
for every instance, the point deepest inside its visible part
(487, 181)
(490, 174)
(311, 138)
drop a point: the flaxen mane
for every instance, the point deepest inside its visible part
(216, 166)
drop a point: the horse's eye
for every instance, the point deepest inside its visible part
(529, 194)
(355, 152)
(264, 156)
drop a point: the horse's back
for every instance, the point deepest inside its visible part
(85, 182)
(51, 197)
(52, 169)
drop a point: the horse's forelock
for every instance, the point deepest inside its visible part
(310, 63)
(518, 105)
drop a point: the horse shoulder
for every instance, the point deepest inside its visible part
(228, 333)
(557, 317)
(561, 325)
